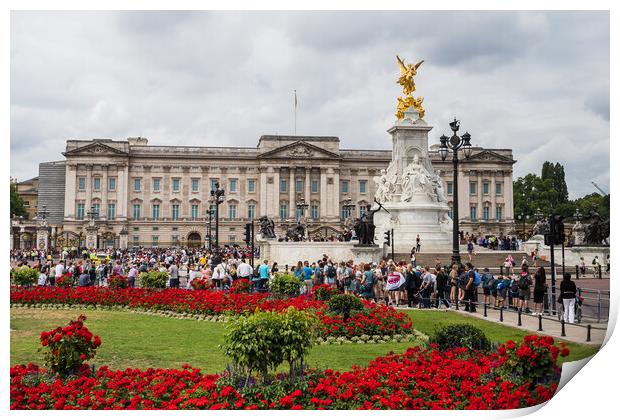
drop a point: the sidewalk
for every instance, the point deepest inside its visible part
(575, 333)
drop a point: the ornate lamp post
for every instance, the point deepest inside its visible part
(211, 213)
(301, 208)
(455, 143)
(217, 197)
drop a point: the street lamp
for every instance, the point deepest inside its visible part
(217, 197)
(211, 213)
(455, 143)
(347, 207)
(301, 208)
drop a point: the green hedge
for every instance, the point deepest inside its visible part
(153, 280)
(460, 335)
(25, 276)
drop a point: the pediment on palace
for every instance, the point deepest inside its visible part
(95, 149)
(299, 150)
(488, 155)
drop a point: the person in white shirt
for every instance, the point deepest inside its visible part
(244, 270)
(42, 277)
(60, 269)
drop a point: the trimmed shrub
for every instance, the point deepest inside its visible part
(153, 279)
(285, 284)
(25, 276)
(200, 284)
(460, 335)
(118, 282)
(262, 341)
(344, 304)
(324, 292)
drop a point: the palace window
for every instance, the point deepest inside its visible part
(299, 185)
(232, 185)
(137, 184)
(111, 211)
(473, 212)
(81, 183)
(112, 184)
(283, 211)
(97, 184)
(314, 186)
(498, 188)
(136, 240)
(363, 187)
(136, 211)
(450, 188)
(176, 184)
(96, 209)
(214, 182)
(473, 188)
(156, 211)
(344, 212)
(156, 184)
(362, 210)
(451, 212)
(498, 213)
(195, 183)
(344, 187)
(194, 211)
(251, 211)
(232, 211)
(283, 186)
(79, 214)
(251, 185)
(314, 211)
(486, 213)
(175, 212)
(155, 240)
(485, 188)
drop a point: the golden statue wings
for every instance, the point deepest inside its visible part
(407, 72)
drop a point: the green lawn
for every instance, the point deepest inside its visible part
(141, 341)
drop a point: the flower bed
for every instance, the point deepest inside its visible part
(419, 379)
(372, 320)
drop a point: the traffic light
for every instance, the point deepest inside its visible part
(248, 233)
(387, 238)
(556, 230)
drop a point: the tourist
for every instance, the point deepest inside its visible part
(540, 287)
(503, 287)
(582, 266)
(487, 283)
(509, 262)
(418, 243)
(263, 275)
(42, 281)
(443, 282)
(219, 273)
(428, 287)
(51, 275)
(274, 269)
(131, 276)
(244, 271)
(607, 263)
(379, 287)
(367, 291)
(470, 250)
(568, 293)
(60, 270)
(411, 286)
(454, 283)
(470, 288)
(395, 280)
(525, 281)
(412, 256)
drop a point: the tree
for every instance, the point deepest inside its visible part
(17, 203)
(531, 193)
(554, 173)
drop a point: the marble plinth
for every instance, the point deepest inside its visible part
(289, 253)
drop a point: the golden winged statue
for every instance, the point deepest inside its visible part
(407, 72)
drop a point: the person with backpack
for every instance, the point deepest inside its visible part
(442, 280)
(525, 281)
(513, 296)
(487, 284)
(540, 287)
(503, 287)
(330, 273)
(368, 282)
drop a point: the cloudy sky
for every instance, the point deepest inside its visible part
(536, 82)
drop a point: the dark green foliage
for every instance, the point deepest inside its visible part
(344, 304)
(460, 335)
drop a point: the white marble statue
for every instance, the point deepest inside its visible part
(438, 183)
(417, 179)
(386, 184)
(445, 223)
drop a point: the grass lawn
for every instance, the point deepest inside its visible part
(141, 341)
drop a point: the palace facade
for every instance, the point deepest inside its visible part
(145, 195)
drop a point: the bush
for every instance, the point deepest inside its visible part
(262, 341)
(532, 360)
(66, 349)
(153, 279)
(461, 335)
(344, 304)
(199, 284)
(324, 292)
(241, 286)
(66, 280)
(118, 282)
(25, 276)
(284, 284)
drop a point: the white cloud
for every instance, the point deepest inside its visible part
(536, 82)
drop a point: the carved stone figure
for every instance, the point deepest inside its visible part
(297, 233)
(386, 183)
(438, 185)
(267, 227)
(407, 73)
(365, 227)
(445, 223)
(597, 231)
(541, 227)
(416, 179)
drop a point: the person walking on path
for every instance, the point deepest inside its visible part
(417, 243)
(470, 288)
(540, 286)
(568, 292)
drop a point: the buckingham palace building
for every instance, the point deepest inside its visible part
(136, 194)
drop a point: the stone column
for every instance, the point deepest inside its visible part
(122, 192)
(291, 194)
(89, 187)
(307, 188)
(263, 193)
(104, 192)
(21, 237)
(70, 190)
(274, 199)
(508, 204)
(323, 194)
(335, 208)
(480, 200)
(43, 238)
(123, 242)
(492, 192)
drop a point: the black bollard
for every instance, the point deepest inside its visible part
(456, 301)
(589, 337)
(485, 310)
(540, 323)
(519, 323)
(563, 329)
(577, 272)
(501, 314)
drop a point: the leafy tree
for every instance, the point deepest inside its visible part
(17, 203)
(554, 173)
(532, 193)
